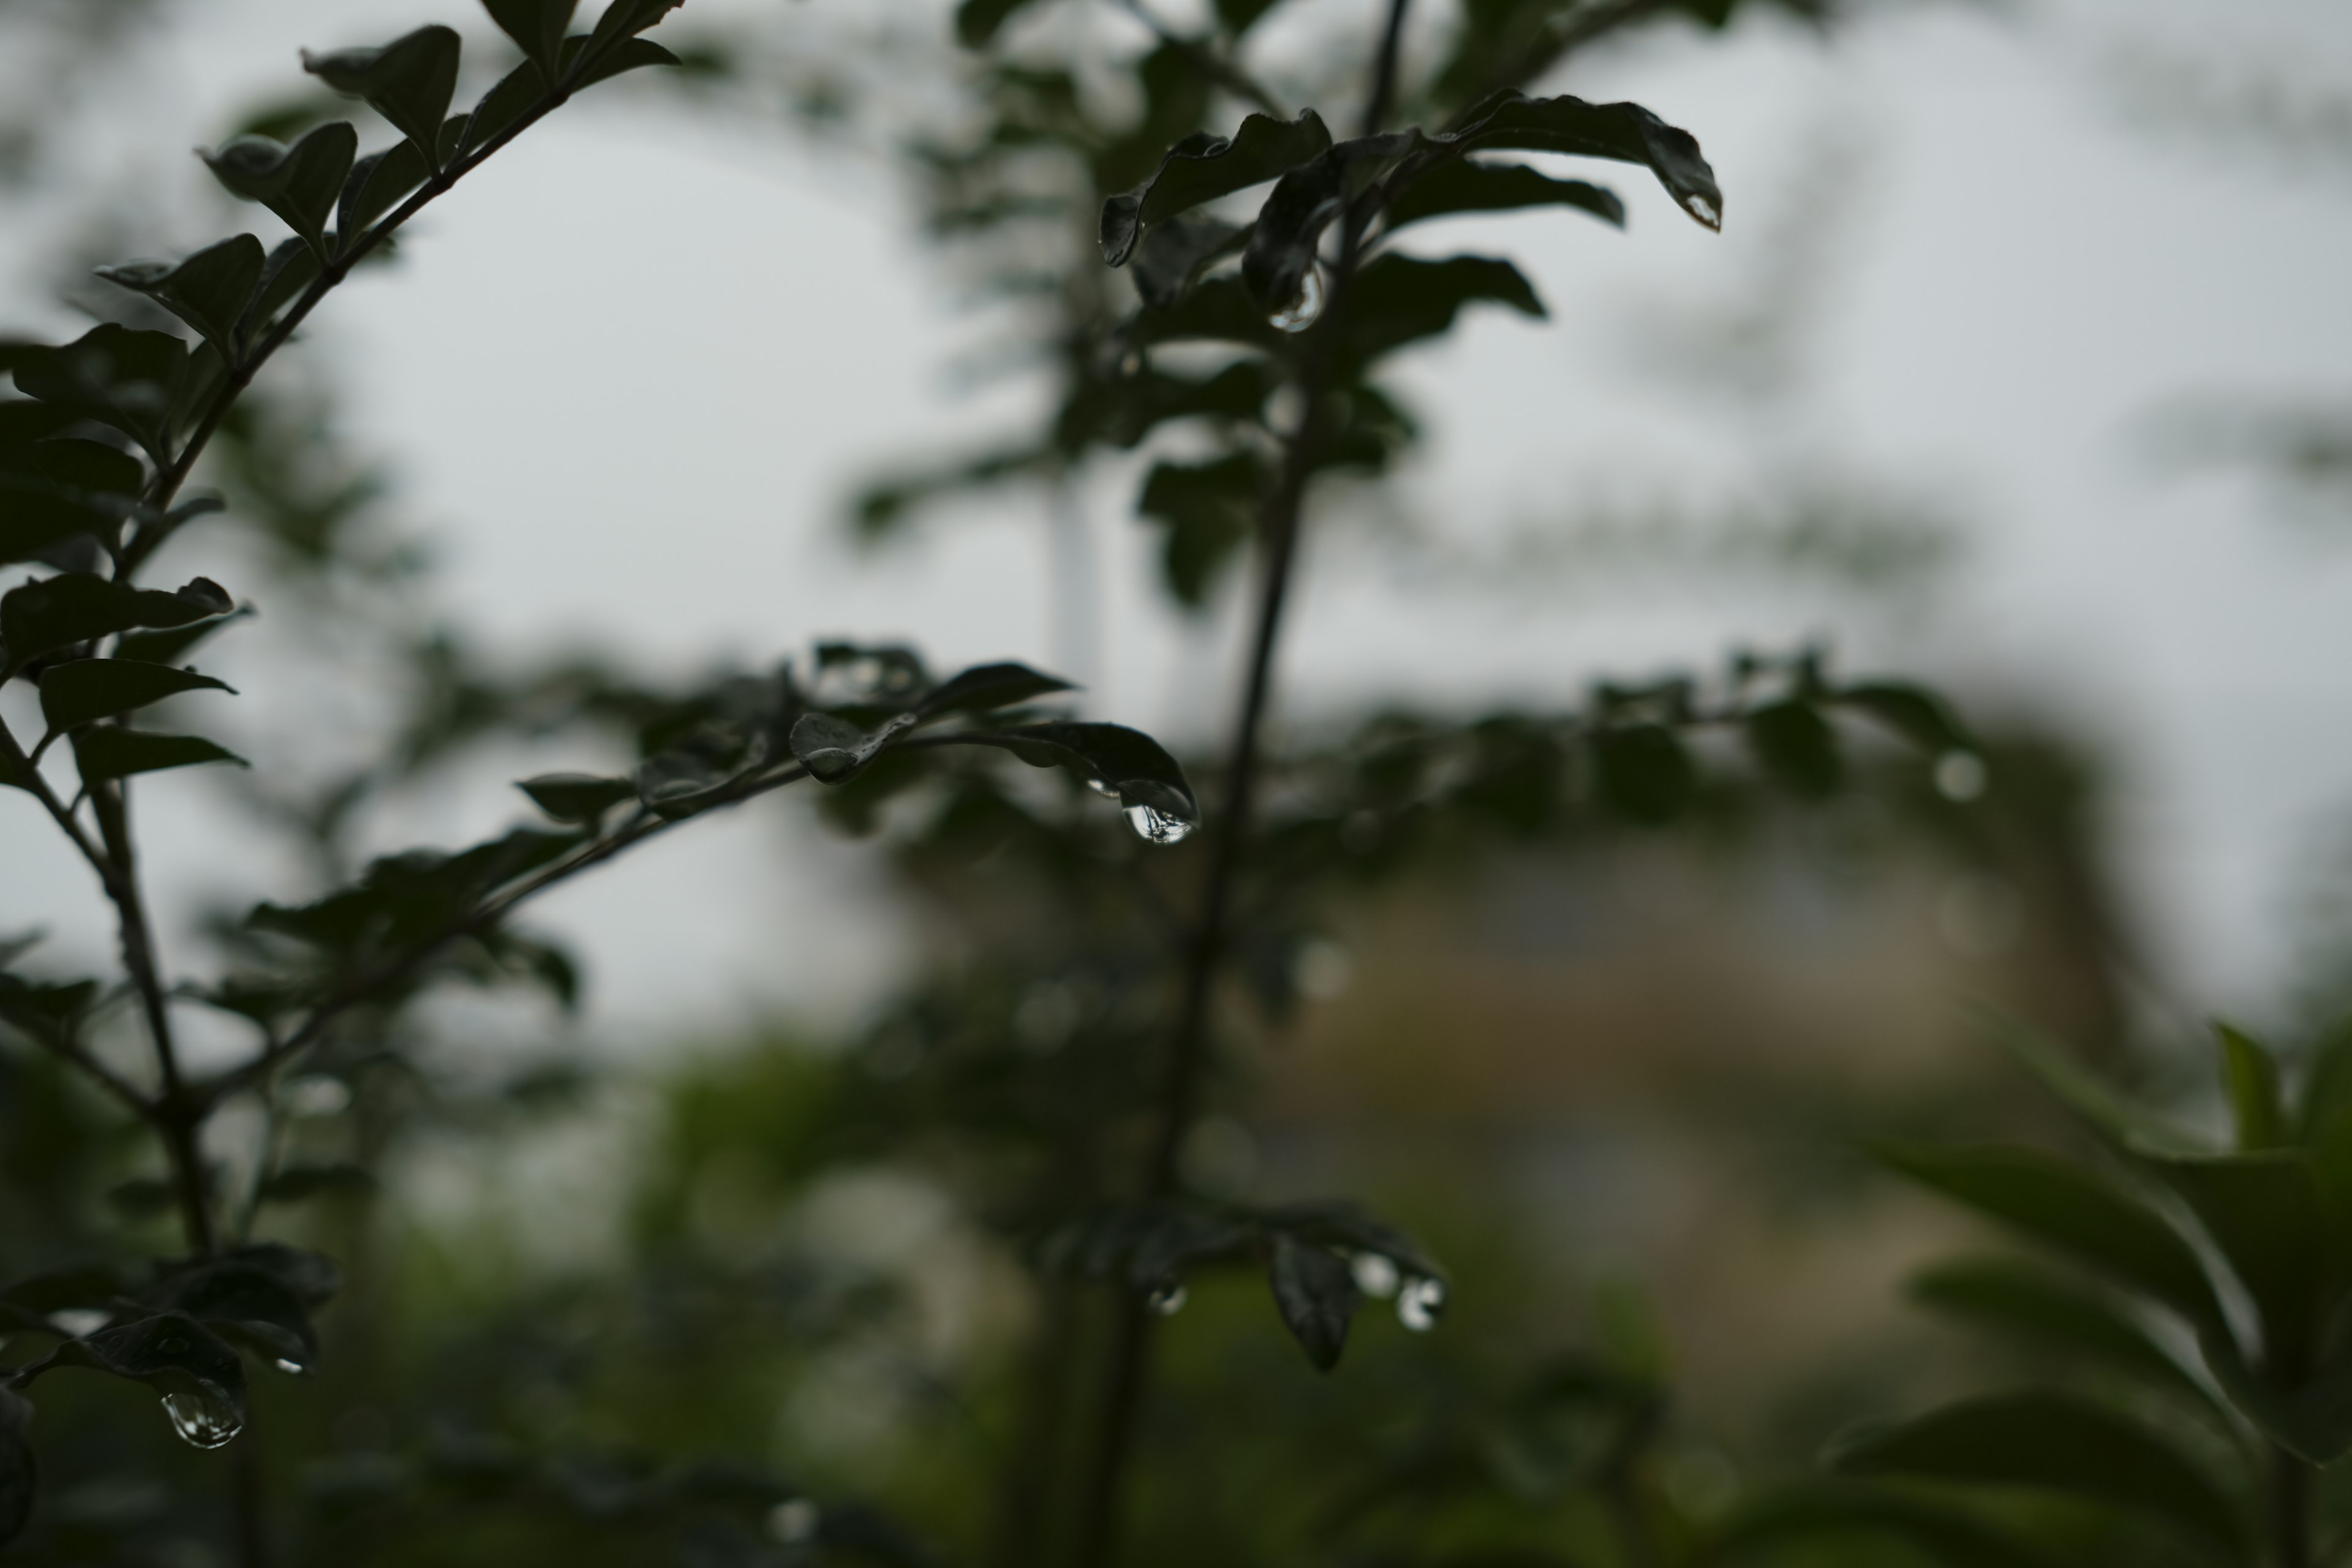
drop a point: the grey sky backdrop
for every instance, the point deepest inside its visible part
(626, 380)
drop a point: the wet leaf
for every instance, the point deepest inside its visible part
(577, 798)
(2055, 1443)
(92, 688)
(1626, 132)
(210, 290)
(76, 607)
(1401, 300)
(170, 645)
(1314, 1290)
(1126, 761)
(409, 82)
(249, 1305)
(1210, 510)
(1460, 186)
(173, 1354)
(984, 687)
(835, 749)
(299, 183)
(1173, 257)
(1203, 167)
(625, 18)
(115, 754)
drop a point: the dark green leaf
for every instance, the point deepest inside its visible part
(114, 374)
(500, 107)
(1798, 747)
(1174, 254)
(1950, 1535)
(1399, 300)
(2263, 1211)
(409, 82)
(2125, 1127)
(249, 1305)
(1304, 202)
(299, 183)
(112, 753)
(170, 646)
(50, 1012)
(1240, 15)
(623, 19)
(76, 607)
(1460, 185)
(90, 690)
(628, 55)
(1624, 132)
(1211, 509)
(20, 1477)
(420, 896)
(2250, 1075)
(210, 290)
(1643, 773)
(23, 422)
(984, 687)
(537, 27)
(2072, 1210)
(2053, 1443)
(1126, 761)
(976, 21)
(377, 183)
(297, 1184)
(577, 798)
(52, 490)
(2311, 1419)
(1315, 1291)
(2026, 1303)
(835, 749)
(1919, 716)
(201, 1380)
(67, 1289)
(291, 267)
(1203, 167)
(1218, 310)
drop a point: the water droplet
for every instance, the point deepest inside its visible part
(202, 1416)
(1167, 1299)
(1420, 1304)
(1107, 791)
(1305, 306)
(1699, 207)
(1960, 776)
(290, 1367)
(794, 1521)
(1156, 826)
(1376, 1274)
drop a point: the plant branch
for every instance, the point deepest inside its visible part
(1218, 67)
(405, 966)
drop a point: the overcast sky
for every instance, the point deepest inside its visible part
(626, 381)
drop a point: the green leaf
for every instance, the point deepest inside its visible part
(2127, 1128)
(90, 690)
(1624, 132)
(292, 266)
(2264, 1212)
(20, 1476)
(1400, 299)
(201, 1378)
(1217, 311)
(1240, 15)
(577, 798)
(112, 753)
(1643, 773)
(50, 1012)
(537, 27)
(623, 19)
(1203, 167)
(1798, 747)
(299, 183)
(1460, 185)
(1173, 257)
(210, 290)
(1917, 714)
(376, 184)
(1125, 762)
(23, 422)
(51, 491)
(1948, 1534)
(977, 21)
(247, 1304)
(298, 1184)
(836, 750)
(984, 687)
(628, 55)
(170, 645)
(76, 607)
(409, 82)
(2072, 1210)
(500, 107)
(2027, 1304)
(2250, 1075)
(113, 375)
(2052, 1443)
(1315, 1291)
(2312, 1420)
(1211, 509)
(1304, 202)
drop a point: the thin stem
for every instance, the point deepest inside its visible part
(1384, 68)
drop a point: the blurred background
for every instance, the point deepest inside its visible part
(2022, 368)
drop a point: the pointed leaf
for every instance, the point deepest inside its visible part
(114, 374)
(836, 750)
(1624, 132)
(537, 27)
(209, 291)
(2072, 1210)
(249, 1305)
(2250, 1075)
(170, 645)
(1203, 167)
(1917, 714)
(169, 1352)
(1460, 185)
(984, 687)
(628, 55)
(500, 107)
(1304, 202)
(623, 19)
(577, 798)
(291, 267)
(76, 607)
(1126, 761)
(299, 183)
(1400, 299)
(1314, 1290)
(376, 184)
(112, 753)
(409, 82)
(2052, 1443)
(2028, 1304)
(92, 688)
(2125, 1127)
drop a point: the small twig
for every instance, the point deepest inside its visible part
(1218, 67)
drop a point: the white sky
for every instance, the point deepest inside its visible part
(625, 383)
